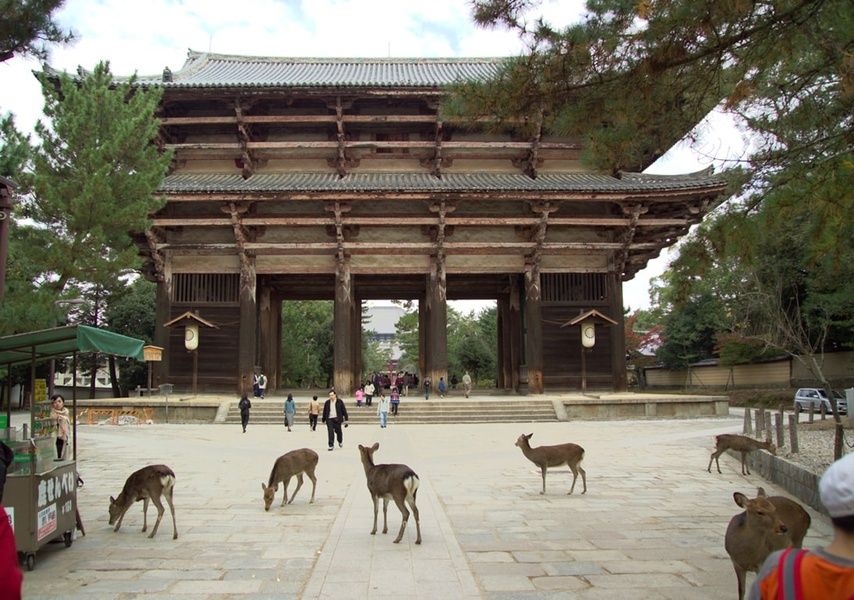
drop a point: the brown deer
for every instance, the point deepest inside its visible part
(767, 524)
(739, 443)
(554, 456)
(295, 462)
(149, 483)
(397, 482)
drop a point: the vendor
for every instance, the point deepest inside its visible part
(59, 414)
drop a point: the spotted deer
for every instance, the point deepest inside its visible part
(739, 443)
(391, 482)
(149, 483)
(555, 456)
(295, 462)
(768, 523)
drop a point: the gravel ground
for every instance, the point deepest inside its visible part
(816, 445)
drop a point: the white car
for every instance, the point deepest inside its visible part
(817, 397)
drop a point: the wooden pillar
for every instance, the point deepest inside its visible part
(247, 337)
(267, 337)
(423, 337)
(356, 325)
(437, 325)
(533, 330)
(505, 366)
(515, 329)
(275, 376)
(342, 375)
(618, 333)
(163, 314)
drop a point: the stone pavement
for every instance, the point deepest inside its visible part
(651, 525)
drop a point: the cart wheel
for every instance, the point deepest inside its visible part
(68, 539)
(30, 561)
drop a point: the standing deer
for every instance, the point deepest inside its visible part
(388, 482)
(295, 462)
(739, 443)
(554, 456)
(149, 483)
(767, 524)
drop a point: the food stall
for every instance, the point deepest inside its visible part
(41, 490)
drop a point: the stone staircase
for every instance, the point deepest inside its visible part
(414, 410)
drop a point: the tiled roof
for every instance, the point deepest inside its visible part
(207, 70)
(422, 182)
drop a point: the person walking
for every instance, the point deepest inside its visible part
(382, 411)
(244, 405)
(467, 384)
(395, 401)
(370, 390)
(59, 414)
(427, 384)
(313, 413)
(259, 384)
(442, 387)
(824, 572)
(334, 413)
(290, 411)
(360, 395)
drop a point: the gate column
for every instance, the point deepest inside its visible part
(247, 338)
(342, 376)
(533, 330)
(618, 333)
(437, 325)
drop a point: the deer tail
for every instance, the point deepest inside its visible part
(410, 482)
(167, 481)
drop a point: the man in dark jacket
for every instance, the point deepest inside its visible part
(334, 413)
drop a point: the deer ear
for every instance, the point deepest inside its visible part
(376, 446)
(529, 436)
(760, 491)
(263, 487)
(740, 499)
(112, 500)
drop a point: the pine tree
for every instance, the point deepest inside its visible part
(27, 26)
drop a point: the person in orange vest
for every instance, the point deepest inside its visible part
(824, 573)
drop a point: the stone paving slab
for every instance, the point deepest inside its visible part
(651, 524)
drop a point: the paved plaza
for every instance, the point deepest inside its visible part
(650, 526)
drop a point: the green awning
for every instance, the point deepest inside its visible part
(64, 341)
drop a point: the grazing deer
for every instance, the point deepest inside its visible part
(767, 524)
(388, 482)
(295, 462)
(554, 456)
(149, 483)
(739, 443)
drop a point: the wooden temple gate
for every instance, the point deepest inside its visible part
(338, 179)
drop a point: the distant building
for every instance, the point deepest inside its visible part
(382, 324)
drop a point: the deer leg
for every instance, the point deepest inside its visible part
(168, 494)
(716, 455)
(404, 512)
(119, 521)
(376, 508)
(740, 576)
(385, 514)
(411, 501)
(144, 514)
(744, 464)
(299, 485)
(160, 511)
(575, 470)
(711, 458)
(285, 498)
(313, 484)
(543, 470)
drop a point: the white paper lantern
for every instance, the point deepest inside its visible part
(191, 336)
(588, 334)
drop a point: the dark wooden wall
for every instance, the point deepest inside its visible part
(218, 368)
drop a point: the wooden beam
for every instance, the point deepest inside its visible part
(629, 235)
(341, 158)
(369, 145)
(244, 139)
(307, 119)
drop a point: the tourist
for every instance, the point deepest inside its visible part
(313, 412)
(442, 387)
(824, 572)
(370, 390)
(244, 405)
(11, 578)
(259, 383)
(59, 415)
(334, 412)
(454, 381)
(467, 384)
(382, 411)
(360, 394)
(395, 400)
(427, 384)
(290, 411)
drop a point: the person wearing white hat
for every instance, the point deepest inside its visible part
(824, 573)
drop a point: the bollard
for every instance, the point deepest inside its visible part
(778, 423)
(823, 412)
(769, 424)
(793, 432)
(760, 422)
(747, 428)
(812, 413)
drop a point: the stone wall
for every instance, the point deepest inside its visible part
(792, 477)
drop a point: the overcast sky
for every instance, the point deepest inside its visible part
(145, 37)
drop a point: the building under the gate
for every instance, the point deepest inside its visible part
(338, 179)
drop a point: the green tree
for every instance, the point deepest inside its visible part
(95, 176)
(407, 338)
(307, 343)
(130, 311)
(27, 27)
(15, 151)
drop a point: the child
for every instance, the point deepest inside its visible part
(382, 410)
(360, 394)
(395, 400)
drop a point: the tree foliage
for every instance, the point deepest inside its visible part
(130, 311)
(15, 151)
(95, 175)
(307, 343)
(27, 27)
